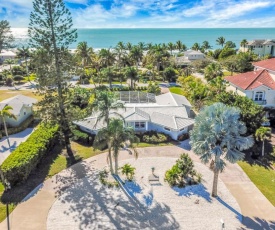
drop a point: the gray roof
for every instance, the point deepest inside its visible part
(259, 42)
(172, 99)
(17, 103)
(169, 111)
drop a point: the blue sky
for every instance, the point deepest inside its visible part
(154, 13)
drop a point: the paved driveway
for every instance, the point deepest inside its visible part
(15, 140)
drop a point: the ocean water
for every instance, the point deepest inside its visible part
(108, 38)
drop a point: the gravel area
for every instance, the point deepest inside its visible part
(89, 205)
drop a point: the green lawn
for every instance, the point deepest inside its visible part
(263, 178)
(176, 90)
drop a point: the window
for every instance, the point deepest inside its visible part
(167, 129)
(259, 96)
(139, 125)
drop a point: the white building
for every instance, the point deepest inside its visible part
(6, 54)
(189, 56)
(260, 47)
(22, 109)
(168, 113)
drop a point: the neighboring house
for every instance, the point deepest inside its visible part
(258, 85)
(22, 109)
(168, 113)
(268, 65)
(189, 56)
(260, 47)
(6, 54)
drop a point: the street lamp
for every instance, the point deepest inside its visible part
(7, 187)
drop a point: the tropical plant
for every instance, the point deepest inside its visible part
(107, 57)
(169, 73)
(206, 45)
(171, 47)
(24, 53)
(182, 172)
(50, 30)
(180, 46)
(6, 112)
(212, 71)
(136, 54)
(218, 135)
(9, 62)
(262, 134)
(114, 136)
(196, 46)
(132, 74)
(153, 88)
(230, 44)
(85, 53)
(243, 43)
(220, 41)
(129, 171)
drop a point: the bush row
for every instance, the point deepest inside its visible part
(154, 137)
(25, 124)
(82, 137)
(19, 164)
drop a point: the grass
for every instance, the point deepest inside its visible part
(176, 90)
(263, 178)
(5, 94)
(143, 144)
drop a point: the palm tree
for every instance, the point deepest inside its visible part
(108, 74)
(114, 136)
(206, 45)
(196, 46)
(136, 53)
(218, 135)
(220, 41)
(107, 57)
(24, 53)
(142, 46)
(158, 54)
(105, 102)
(9, 62)
(5, 112)
(262, 134)
(243, 43)
(212, 71)
(132, 74)
(85, 53)
(129, 46)
(171, 47)
(179, 45)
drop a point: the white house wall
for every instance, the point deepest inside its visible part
(269, 94)
(20, 118)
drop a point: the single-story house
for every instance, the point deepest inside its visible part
(257, 85)
(168, 113)
(189, 56)
(22, 109)
(7, 54)
(260, 47)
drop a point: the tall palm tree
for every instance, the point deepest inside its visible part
(136, 53)
(114, 136)
(220, 41)
(120, 52)
(170, 47)
(85, 53)
(132, 74)
(262, 134)
(142, 46)
(129, 46)
(243, 43)
(108, 74)
(179, 45)
(5, 112)
(159, 54)
(212, 71)
(196, 46)
(24, 53)
(218, 135)
(206, 45)
(105, 102)
(107, 57)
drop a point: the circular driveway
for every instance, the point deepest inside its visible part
(86, 204)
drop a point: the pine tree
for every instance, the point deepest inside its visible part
(50, 33)
(6, 37)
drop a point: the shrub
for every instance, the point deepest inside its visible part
(19, 164)
(9, 81)
(183, 137)
(80, 136)
(182, 173)
(154, 137)
(103, 176)
(86, 81)
(20, 128)
(129, 171)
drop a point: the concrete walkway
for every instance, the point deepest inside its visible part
(257, 211)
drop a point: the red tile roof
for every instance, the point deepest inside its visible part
(268, 64)
(252, 80)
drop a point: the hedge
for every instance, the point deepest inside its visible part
(19, 164)
(154, 137)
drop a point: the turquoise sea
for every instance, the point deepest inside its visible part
(108, 38)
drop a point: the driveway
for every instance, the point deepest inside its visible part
(15, 140)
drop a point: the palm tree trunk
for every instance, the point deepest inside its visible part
(215, 183)
(110, 158)
(6, 131)
(263, 149)
(116, 163)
